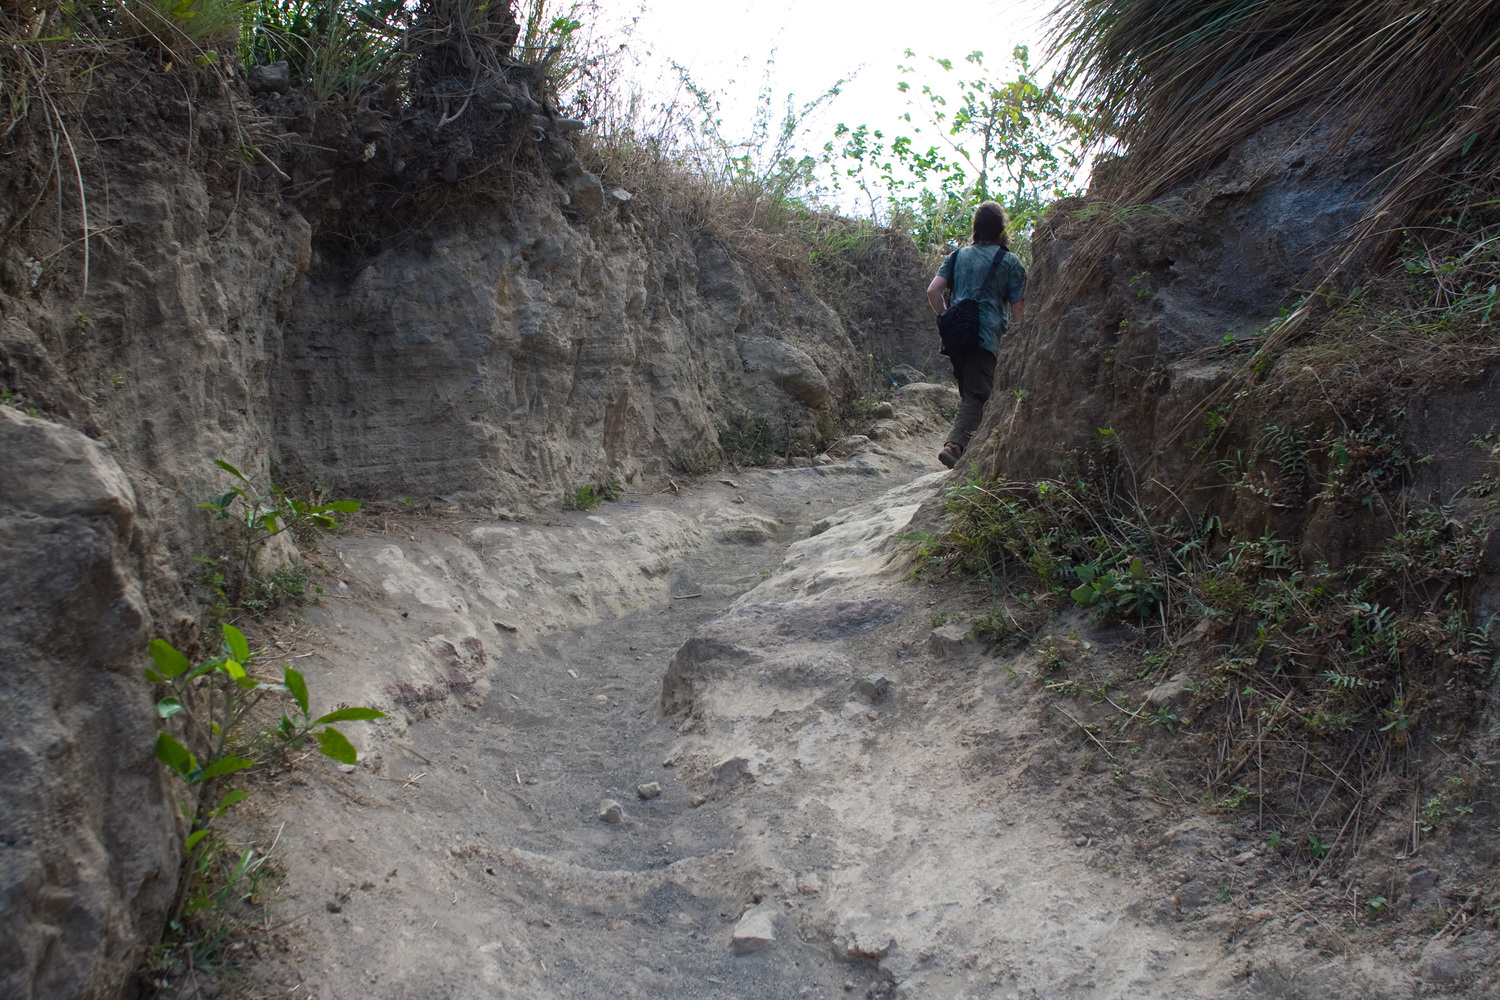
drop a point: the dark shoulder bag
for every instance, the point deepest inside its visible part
(958, 325)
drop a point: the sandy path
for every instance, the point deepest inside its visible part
(953, 838)
(505, 881)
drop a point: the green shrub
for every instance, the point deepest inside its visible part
(589, 497)
(262, 512)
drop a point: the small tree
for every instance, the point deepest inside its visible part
(210, 701)
(972, 138)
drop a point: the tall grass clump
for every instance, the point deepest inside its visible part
(333, 46)
(1179, 83)
(186, 26)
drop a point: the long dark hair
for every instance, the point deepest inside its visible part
(990, 224)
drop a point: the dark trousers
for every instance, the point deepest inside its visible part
(974, 371)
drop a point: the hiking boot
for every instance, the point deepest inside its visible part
(950, 454)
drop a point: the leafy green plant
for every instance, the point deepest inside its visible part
(1128, 591)
(1050, 655)
(589, 497)
(1432, 814)
(1236, 798)
(1317, 848)
(1167, 718)
(263, 512)
(207, 704)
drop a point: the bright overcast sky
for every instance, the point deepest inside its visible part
(725, 45)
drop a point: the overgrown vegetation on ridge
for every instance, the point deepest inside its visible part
(1290, 664)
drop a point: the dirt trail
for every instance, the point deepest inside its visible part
(927, 841)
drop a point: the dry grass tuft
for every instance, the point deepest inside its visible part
(1183, 81)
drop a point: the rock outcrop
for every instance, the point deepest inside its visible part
(521, 355)
(87, 838)
(1129, 344)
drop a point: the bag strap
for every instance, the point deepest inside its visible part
(995, 262)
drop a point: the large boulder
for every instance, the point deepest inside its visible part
(790, 368)
(88, 857)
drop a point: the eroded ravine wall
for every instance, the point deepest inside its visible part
(527, 344)
(1156, 343)
(526, 351)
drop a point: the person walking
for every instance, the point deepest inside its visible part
(988, 274)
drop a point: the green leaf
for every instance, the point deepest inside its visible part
(1085, 594)
(349, 715)
(193, 839)
(229, 801)
(344, 506)
(235, 640)
(334, 744)
(225, 765)
(298, 687)
(233, 669)
(231, 470)
(201, 669)
(168, 659)
(1086, 574)
(174, 754)
(168, 707)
